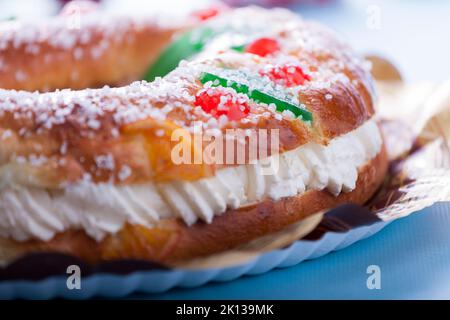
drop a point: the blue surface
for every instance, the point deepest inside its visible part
(413, 254)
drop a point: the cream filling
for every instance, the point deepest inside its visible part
(102, 209)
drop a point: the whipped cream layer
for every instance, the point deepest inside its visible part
(102, 209)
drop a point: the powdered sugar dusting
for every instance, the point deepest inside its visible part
(59, 33)
(104, 112)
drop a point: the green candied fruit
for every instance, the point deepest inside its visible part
(186, 46)
(257, 95)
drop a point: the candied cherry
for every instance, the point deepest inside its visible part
(208, 13)
(218, 102)
(263, 47)
(288, 75)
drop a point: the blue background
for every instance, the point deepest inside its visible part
(413, 34)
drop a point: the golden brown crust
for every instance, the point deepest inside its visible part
(72, 130)
(98, 54)
(173, 241)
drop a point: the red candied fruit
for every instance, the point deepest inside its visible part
(263, 47)
(217, 102)
(208, 13)
(288, 75)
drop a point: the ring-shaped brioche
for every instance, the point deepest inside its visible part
(122, 136)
